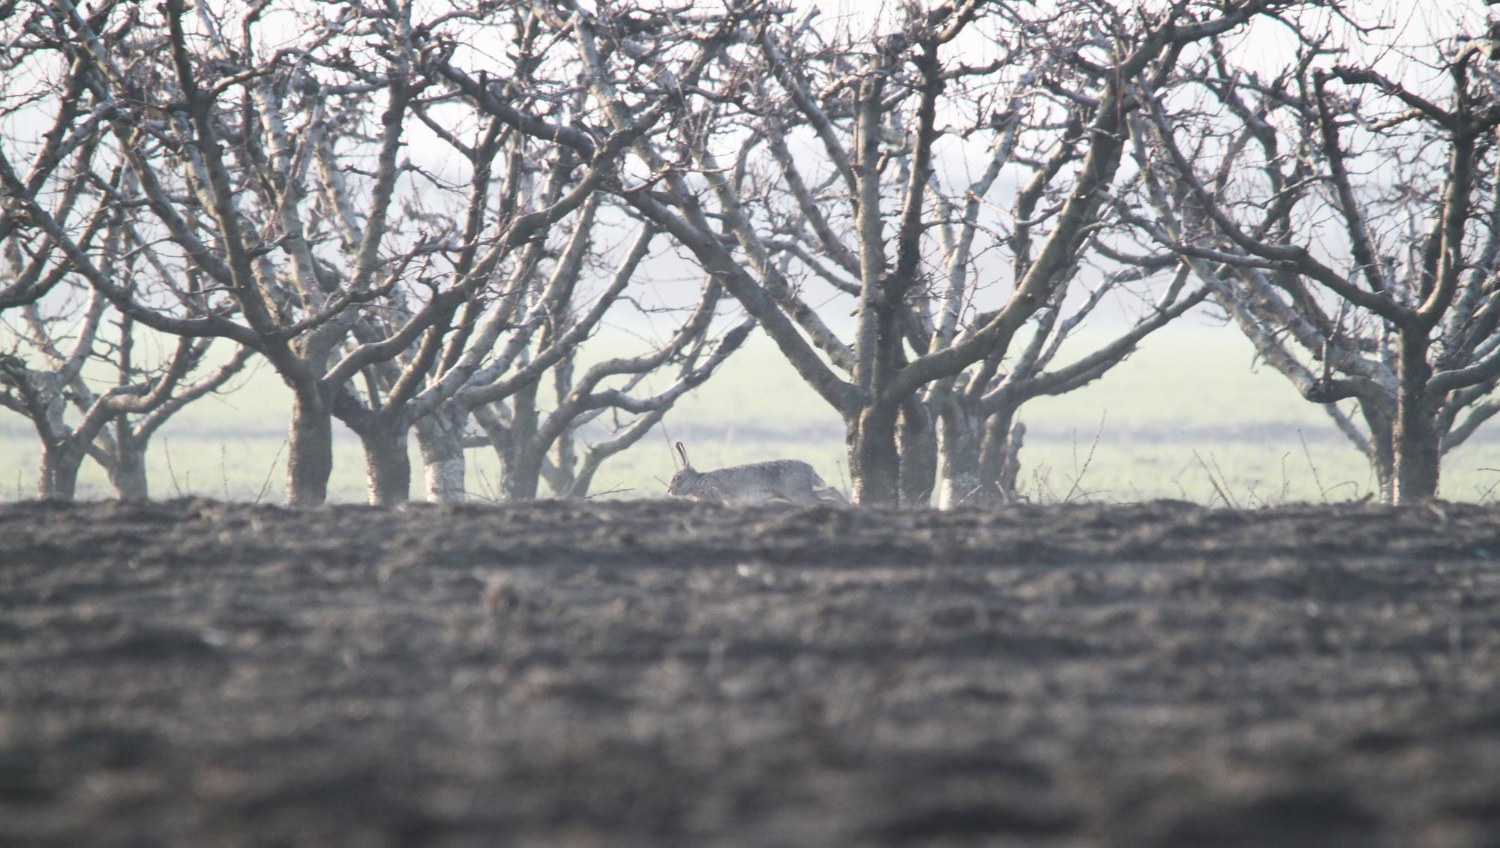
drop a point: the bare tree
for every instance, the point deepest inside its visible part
(64, 338)
(516, 311)
(1350, 226)
(74, 421)
(230, 142)
(522, 435)
(522, 349)
(284, 202)
(394, 294)
(982, 435)
(507, 345)
(876, 112)
(57, 337)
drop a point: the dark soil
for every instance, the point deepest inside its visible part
(658, 674)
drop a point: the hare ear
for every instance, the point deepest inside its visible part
(683, 451)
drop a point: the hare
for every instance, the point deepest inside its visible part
(757, 483)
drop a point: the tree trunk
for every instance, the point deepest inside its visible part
(999, 456)
(58, 478)
(1415, 440)
(523, 473)
(440, 439)
(1381, 450)
(1384, 463)
(310, 449)
(521, 460)
(1010, 465)
(128, 475)
(579, 488)
(562, 477)
(874, 464)
(917, 438)
(979, 456)
(1417, 462)
(387, 462)
(958, 452)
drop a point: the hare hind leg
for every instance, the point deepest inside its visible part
(803, 497)
(825, 493)
(800, 497)
(829, 494)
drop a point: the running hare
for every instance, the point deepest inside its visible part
(759, 482)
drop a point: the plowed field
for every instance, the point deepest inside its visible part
(653, 673)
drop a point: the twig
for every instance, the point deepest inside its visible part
(1322, 492)
(166, 447)
(224, 471)
(671, 451)
(1222, 475)
(1041, 476)
(1228, 501)
(1351, 483)
(492, 496)
(270, 471)
(1081, 472)
(606, 492)
(1482, 497)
